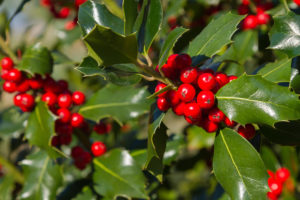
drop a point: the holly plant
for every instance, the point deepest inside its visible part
(150, 99)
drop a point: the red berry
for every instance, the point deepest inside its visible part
(64, 100)
(215, 115)
(186, 92)
(243, 9)
(23, 86)
(79, 2)
(246, 2)
(70, 25)
(192, 111)
(188, 74)
(222, 79)
(102, 128)
(271, 174)
(63, 128)
(179, 108)
(80, 164)
(173, 97)
(282, 174)
(172, 21)
(65, 139)
(76, 120)
(159, 87)
(18, 100)
(275, 186)
(9, 86)
(78, 97)
(272, 196)
(64, 12)
(168, 71)
(247, 132)
(206, 81)
(250, 22)
(50, 85)
(14, 75)
(27, 101)
(206, 99)
(162, 104)
(231, 78)
(50, 98)
(7, 63)
(64, 115)
(297, 2)
(183, 60)
(76, 152)
(98, 148)
(171, 60)
(45, 3)
(262, 18)
(229, 123)
(209, 126)
(4, 74)
(63, 85)
(55, 141)
(36, 82)
(190, 121)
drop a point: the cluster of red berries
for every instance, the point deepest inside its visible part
(276, 181)
(260, 18)
(62, 12)
(297, 2)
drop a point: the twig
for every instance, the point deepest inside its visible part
(7, 50)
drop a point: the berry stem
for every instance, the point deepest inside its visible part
(286, 6)
(7, 50)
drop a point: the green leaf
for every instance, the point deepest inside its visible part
(252, 99)
(269, 159)
(121, 103)
(92, 13)
(87, 194)
(6, 187)
(130, 13)
(169, 43)
(140, 157)
(285, 35)
(285, 133)
(289, 158)
(238, 167)
(295, 75)
(148, 23)
(173, 149)
(40, 128)
(157, 139)
(117, 174)
(43, 177)
(11, 121)
(90, 67)
(198, 138)
(215, 35)
(108, 47)
(244, 46)
(37, 60)
(279, 71)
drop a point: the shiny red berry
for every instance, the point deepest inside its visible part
(215, 115)
(9, 86)
(76, 120)
(78, 97)
(262, 18)
(183, 60)
(179, 108)
(64, 115)
(275, 186)
(192, 111)
(209, 126)
(168, 71)
(186, 92)
(221, 79)
(36, 82)
(27, 101)
(23, 86)
(18, 99)
(50, 98)
(98, 148)
(79, 2)
(159, 87)
(206, 99)
(64, 12)
(272, 196)
(188, 74)
(102, 128)
(7, 63)
(231, 78)
(64, 100)
(250, 22)
(297, 2)
(4, 74)
(229, 123)
(14, 75)
(162, 104)
(282, 174)
(206, 81)
(172, 60)
(247, 132)
(173, 97)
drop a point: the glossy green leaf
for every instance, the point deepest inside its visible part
(37, 60)
(117, 174)
(285, 133)
(90, 67)
(215, 35)
(295, 75)
(130, 13)
(244, 46)
(269, 159)
(198, 138)
(40, 128)
(11, 121)
(121, 103)
(108, 47)
(92, 13)
(169, 43)
(148, 23)
(87, 194)
(279, 71)
(157, 139)
(140, 157)
(289, 159)
(173, 149)
(285, 35)
(252, 99)
(43, 177)
(238, 167)
(6, 187)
